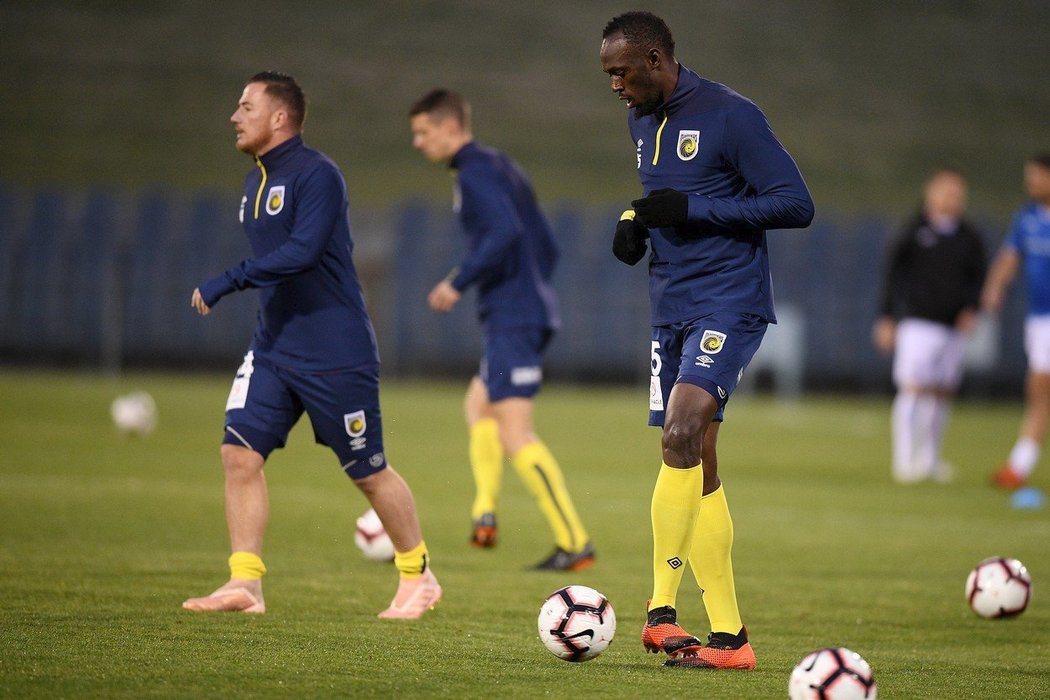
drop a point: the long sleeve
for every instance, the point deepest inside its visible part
(319, 205)
(893, 274)
(777, 196)
(976, 271)
(492, 224)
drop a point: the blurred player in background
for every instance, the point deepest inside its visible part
(1028, 242)
(510, 259)
(314, 349)
(930, 299)
(714, 177)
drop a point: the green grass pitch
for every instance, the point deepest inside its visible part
(102, 536)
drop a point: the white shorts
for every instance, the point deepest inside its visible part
(1037, 343)
(928, 355)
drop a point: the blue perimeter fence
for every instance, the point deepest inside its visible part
(102, 279)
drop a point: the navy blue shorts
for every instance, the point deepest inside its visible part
(512, 362)
(709, 352)
(266, 401)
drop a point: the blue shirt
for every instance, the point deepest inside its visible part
(312, 314)
(1029, 236)
(717, 147)
(511, 250)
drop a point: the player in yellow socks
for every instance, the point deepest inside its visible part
(510, 260)
(314, 350)
(418, 591)
(242, 593)
(714, 177)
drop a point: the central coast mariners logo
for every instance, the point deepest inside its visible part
(712, 342)
(688, 144)
(355, 428)
(275, 200)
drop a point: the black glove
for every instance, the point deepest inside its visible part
(664, 207)
(629, 241)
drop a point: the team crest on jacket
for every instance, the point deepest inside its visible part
(275, 200)
(688, 144)
(712, 342)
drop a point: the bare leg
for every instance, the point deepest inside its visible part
(710, 454)
(1037, 411)
(393, 502)
(247, 512)
(476, 404)
(690, 411)
(543, 477)
(514, 416)
(247, 500)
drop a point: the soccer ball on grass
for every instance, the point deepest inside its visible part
(576, 623)
(832, 674)
(371, 538)
(134, 413)
(999, 587)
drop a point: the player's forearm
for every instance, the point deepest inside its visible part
(1003, 271)
(268, 271)
(781, 198)
(1000, 276)
(792, 209)
(487, 258)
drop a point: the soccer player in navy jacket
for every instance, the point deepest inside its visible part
(714, 178)
(314, 349)
(510, 259)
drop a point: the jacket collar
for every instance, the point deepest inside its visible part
(274, 158)
(688, 82)
(468, 149)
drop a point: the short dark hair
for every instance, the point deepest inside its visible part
(443, 103)
(283, 88)
(1041, 159)
(642, 30)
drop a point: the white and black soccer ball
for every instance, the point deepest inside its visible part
(999, 587)
(832, 674)
(576, 623)
(371, 538)
(134, 413)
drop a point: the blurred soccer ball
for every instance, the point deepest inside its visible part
(832, 674)
(134, 413)
(999, 587)
(576, 623)
(372, 539)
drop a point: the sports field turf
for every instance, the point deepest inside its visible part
(102, 536)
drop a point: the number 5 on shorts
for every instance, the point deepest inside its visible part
(656, 397)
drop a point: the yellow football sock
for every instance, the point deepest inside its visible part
(486, 461)
(246, 565)
(676, 501)
(414, 562)
(542, 475)
(712, 562)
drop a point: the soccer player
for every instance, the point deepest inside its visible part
(714, 177)
(1028, 241)
(314, 349)
(510, 259)
(930, 299)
